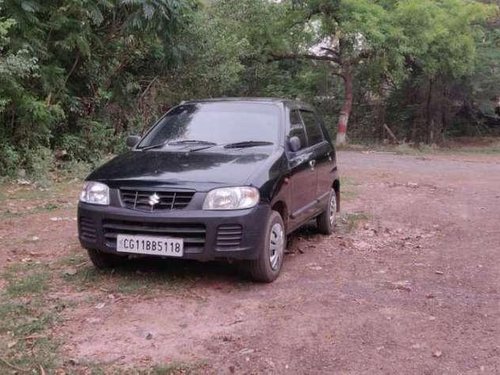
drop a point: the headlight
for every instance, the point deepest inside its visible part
(95, 193)
(232, 198)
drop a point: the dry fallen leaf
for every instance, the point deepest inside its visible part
(70, 271)
(437, 354)
(11, 344)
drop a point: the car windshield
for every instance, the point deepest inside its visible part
(216, 123)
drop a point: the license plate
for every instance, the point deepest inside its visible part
(172, 247)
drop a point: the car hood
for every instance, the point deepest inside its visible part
(199, 170)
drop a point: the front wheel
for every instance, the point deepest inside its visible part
(326, 221)
(267, 266)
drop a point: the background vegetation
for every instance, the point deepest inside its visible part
(77, 75)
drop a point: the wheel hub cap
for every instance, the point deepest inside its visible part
(333, 209)
(276, 246)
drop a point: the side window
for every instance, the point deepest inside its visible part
(295, 117)
(297, 128)
(314, 133)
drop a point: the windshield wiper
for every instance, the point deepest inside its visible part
(181, 142)
(192, 141)
(159, 145)
(247, 144)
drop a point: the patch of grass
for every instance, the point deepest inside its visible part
(13, 191)
(177, 368)
(173, 368)
(23, 319)
(91, 368)
(7, 214)
(348, 189)
(26, 279)
(29, 354)
(9, 311)
(25, 316)
(50, 206)
(488, 150)
(22, 201)
(75, 170)
(489, 146)
(73, 259)
(86, 276)
(129, 279)
(347, 181)
(30, 284)
(353, 147)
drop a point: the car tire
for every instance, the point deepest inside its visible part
(266, 268)
(326, 221)
(104, 260)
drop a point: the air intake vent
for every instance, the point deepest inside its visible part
(87, 229)
(229, 235)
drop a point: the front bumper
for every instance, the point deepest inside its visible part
(208, 235)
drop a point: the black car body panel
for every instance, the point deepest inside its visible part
(203, 170)
(296, 184)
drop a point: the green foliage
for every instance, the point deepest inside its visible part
(38, 161)
(73, 71)
(441, 35)
(486, 78)
(9, 159)
(211, 64)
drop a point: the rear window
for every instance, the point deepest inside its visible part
(220, 123)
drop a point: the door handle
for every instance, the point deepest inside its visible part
(312, 164)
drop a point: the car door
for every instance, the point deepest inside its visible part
(303, 176)
(322, 154)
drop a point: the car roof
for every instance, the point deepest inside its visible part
(286, 102)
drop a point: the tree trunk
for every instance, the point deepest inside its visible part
(429, 115)
(345, 112)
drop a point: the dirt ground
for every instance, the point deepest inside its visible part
(409, 284)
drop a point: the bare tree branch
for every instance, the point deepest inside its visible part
(308, 56)
(332, 51)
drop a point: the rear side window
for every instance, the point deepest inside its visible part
(295, 118)
(313, 129)
(297, 128)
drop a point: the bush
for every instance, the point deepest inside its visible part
(39, 162)
(94, 140)
(9, 160)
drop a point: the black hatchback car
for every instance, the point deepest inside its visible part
(224, 179)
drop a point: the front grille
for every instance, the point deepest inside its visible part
(88, 230)
(164, 200)
(192, 234)
(229, 235)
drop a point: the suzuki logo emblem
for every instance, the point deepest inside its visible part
(154, 199)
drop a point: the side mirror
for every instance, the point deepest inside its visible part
(132, 140)
(294, 143)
